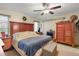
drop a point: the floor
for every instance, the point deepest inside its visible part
(63, 50)
(12, 52)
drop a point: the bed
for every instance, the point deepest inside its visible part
(28, 42)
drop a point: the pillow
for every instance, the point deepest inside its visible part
(31, 33)
(22, 35)
(15, 35)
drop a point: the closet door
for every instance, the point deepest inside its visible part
(68, 33)
(60, 32)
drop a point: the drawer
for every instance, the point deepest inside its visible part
(7, 44)
(60, 39)
(68, 40)
(60, 35)
(6, 40)
(6, 47)
(68, 33)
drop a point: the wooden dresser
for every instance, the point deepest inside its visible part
(65, 32)
(7, 43)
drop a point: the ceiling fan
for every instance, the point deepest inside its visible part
(47, 9)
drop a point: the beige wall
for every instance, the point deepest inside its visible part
(52, 25)
(49, 25)
(45, 26)
(68, 15)
(16, 16)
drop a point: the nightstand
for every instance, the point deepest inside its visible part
(7, 43)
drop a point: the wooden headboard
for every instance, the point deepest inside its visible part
(20, 27)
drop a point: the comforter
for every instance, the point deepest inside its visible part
(32, 44)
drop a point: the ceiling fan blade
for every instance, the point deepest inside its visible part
(37, 10)
(55, 7)
(51, 12)
(42, 14)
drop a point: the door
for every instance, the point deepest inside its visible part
(68, 33)
(60, 32)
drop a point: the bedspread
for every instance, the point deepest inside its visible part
(32, 44)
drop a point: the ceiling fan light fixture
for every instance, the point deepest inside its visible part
(46, 11)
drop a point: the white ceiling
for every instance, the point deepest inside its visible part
(27, 8)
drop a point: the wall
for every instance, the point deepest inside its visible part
(77, 33)
(52, 24)
(45, 26)
(68, 15)
(16, 16)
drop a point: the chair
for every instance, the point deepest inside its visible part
(3, 35)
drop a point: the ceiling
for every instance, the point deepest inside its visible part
(27, 8)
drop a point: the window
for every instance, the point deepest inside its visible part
(36, 26)
(4, 24)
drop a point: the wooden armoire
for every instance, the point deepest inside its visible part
(65, 32)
